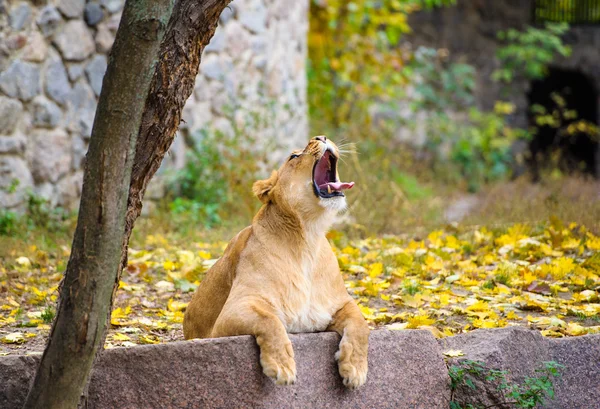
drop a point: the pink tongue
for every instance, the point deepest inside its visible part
(337, 186)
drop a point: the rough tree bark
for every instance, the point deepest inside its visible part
(85, 298)
(92, 274)
(191, 28)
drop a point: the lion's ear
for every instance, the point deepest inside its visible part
(261, 188)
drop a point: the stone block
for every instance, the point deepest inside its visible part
(521, 351)
(71, 8)
(74, 50)
(81, 109)
(579, 384)
(406, 370)
(50, 156)
(10, 114)
(36, 49)
(104, 38)
(93, 14)
(48, 20)
(21, 80)
(75, 71)
(56, 81)
(14, 144)
(20, 16)
(112, 5)
(95, 72)
(12, 170)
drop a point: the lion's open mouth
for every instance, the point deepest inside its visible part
(325, 181)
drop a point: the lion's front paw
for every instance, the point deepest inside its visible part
(352, 364)
(279, 364)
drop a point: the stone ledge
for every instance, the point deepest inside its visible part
(406, 370)
(520, 351)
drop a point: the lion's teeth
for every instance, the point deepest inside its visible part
(328, 189)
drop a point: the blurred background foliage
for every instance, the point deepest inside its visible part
(423, 148)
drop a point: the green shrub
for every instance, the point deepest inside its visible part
(215, 185)
(8, 222)
(528, 53)
(533, 391)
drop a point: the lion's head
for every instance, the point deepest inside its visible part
(308, 182)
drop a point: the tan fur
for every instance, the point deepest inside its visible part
(280, 275)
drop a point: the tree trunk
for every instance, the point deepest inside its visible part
(191, 28)
(85, 296)
(102, 236)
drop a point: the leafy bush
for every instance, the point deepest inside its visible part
(38, 214)
(528, 53)
(465, 143)
(8, 222)
(354, 58)
(217, 179)
(533, 391)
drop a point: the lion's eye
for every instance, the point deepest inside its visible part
(293, 156)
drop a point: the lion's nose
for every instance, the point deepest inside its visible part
(321, 138)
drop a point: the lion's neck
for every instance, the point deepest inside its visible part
(285, 224)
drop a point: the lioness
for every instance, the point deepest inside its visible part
(280, 274)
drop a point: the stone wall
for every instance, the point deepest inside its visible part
(53, 55)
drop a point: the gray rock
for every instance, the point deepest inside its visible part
(104, 38)
(21, 80)
(13, 144)
(68, 190)
(81, 109)
(20, 16)
(227, 14)
(46, 191)
(57, 82)
(10, 42)
(46, 114)
(258, 44)
(50, 157)
(254, 19)
(95, 72)
(71, 8)
(15, 371)
(217, 43)
(197, 116)
(10, 114)
(113, 22)
(74, 50)
(210, 67)
(260, 63)
(93, 14)
(201, 89)
(36, 49)
(79, 151)
(236, 39)
(578, 385)
(48, 20)
(13, 170)
(75, 71)
(517, 350)
(406, 370)
(112, 5)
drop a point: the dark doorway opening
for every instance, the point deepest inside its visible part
(563, 112)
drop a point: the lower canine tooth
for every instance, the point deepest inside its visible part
(328, 189)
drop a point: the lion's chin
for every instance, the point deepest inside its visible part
(335, 204)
